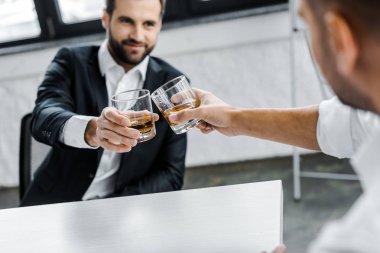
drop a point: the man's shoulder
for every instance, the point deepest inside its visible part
(162, 65)
(80, 52)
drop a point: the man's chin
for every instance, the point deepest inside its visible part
(133, 57)
(134, 60)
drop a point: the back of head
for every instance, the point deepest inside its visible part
(362, 15)
(346, 43)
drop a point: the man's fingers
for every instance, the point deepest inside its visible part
(113, 115)
(185, 115)
(187, 95)
(202, 125)
(206, 131)
(205, 127)
(155, 117)
(105, 125)
(198, 92)
(180, 96)
(117, 139)
(115, 148)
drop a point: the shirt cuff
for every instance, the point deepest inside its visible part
(73, 132)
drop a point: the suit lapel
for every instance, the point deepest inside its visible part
(154, 76)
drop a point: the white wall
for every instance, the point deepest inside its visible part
(244, 61)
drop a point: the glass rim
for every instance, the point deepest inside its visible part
(161, 89)
(114, 99)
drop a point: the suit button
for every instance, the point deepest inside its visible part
(91, 175)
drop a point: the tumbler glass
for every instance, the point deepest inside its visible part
(136, 105)
(174, 96)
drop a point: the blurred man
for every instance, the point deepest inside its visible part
(345, 37)
(92, 155)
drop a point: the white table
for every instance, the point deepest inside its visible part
(235, 219)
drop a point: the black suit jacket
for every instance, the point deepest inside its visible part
(73, 85)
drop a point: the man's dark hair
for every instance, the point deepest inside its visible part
(111, 4)
(362, 15)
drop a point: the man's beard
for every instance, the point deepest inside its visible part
(345, 89)
(122, 55)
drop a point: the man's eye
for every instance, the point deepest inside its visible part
(150, 24)
(126, 21)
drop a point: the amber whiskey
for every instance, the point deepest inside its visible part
(190, 105)
(143, 124)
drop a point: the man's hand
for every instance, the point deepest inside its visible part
(279, 249)
(111, 131)
(214, 113)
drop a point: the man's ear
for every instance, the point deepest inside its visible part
(106, 19)
(342, 42)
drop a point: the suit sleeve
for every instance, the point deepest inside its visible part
(168, 171)
(54, 104)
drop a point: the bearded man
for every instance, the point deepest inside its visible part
(94, 150)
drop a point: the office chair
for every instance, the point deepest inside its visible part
(31, 154)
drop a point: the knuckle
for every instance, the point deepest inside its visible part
(130, 132)
(104, 134)
(100, 121)
(108, 112)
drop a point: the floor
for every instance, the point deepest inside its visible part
(322, 200)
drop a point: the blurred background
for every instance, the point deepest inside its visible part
(251, 53)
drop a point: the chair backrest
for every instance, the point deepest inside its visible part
(32, 153)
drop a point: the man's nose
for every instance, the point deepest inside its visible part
(137, 33)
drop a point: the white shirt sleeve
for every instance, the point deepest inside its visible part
(73, 132)
(342, 129)
(357, 232)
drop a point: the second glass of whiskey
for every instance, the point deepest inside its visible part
(174, 96)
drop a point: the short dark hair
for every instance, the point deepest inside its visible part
(110, 7)
(362, 15)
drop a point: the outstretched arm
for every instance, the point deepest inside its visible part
(290, 126)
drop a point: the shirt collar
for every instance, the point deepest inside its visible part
(106, 62)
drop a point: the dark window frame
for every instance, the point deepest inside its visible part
(201, 7)
(53, 28)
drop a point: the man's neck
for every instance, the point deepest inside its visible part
(376, 100)
(367, 76)
(126, 67)
(373, 79)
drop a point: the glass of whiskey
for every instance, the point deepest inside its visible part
(174, 96)
(136, 105)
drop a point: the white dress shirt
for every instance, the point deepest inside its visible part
(73, 131)
(347, 132)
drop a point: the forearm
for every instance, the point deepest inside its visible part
(290, 126)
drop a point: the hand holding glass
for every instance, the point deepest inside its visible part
(174, 96)
(136, 105)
